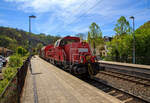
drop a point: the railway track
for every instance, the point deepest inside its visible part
(135, 86)
(119, 94)
(137, 80)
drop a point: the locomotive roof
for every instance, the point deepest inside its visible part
(67, 37)
(71, 37)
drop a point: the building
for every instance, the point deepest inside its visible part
(5, 52)
(104, 51)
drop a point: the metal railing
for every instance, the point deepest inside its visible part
(12, 92)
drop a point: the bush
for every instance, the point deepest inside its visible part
(9, 73)
(21, 51)
(3, 84)
(15, 61)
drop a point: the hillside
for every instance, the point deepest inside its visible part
(11, 38)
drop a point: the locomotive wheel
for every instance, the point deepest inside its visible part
(71, 69)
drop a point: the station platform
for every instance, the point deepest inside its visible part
(46, 83)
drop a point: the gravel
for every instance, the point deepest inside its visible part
(128, 86)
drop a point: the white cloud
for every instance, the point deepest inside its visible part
(81, 29)
(67, 10)
(62, 13)
(46, 5)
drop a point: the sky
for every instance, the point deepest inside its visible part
(70, 17)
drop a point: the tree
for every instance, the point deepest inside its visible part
(142, 37)
(95, 36)
(21, 51)
(120, 47)
(122, 26)
(39, 46)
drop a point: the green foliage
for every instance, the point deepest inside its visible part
(95, 35)
(21, 51)
(142, 37)
(122, 45)
(6, 41)
(15, 61)
(9, 73)
(39, 46)
(95, 38)
(3, 84)
(122, 26)
(11, 38)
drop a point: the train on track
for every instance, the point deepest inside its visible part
(71, 54)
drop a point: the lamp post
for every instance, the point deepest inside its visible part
(132, 17)
(30, 17)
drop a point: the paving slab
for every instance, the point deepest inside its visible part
(46, 83)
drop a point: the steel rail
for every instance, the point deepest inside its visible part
(137, 82)
(111, 90)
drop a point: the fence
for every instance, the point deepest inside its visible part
(12, 92)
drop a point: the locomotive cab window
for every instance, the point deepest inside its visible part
(57, 43)
(63, 42)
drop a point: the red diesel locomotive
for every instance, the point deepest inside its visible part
(71, 54)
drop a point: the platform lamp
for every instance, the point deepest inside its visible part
(132, 17)
(30, 17)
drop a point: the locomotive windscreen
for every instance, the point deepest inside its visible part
(68, 41)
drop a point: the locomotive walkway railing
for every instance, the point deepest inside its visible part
(12, 92)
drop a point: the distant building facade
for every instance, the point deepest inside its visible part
(5, 52)
(104, 51)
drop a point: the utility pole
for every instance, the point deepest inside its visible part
(132, 17)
